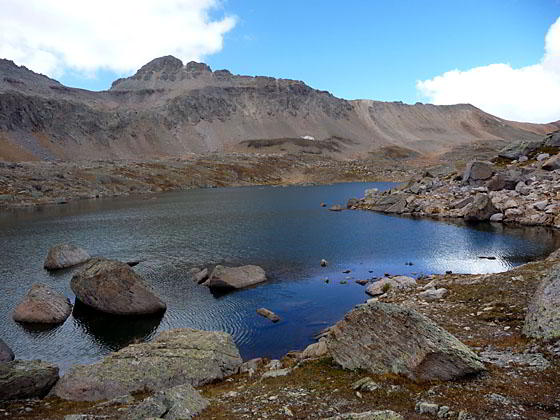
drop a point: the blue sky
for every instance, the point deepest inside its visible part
(354, 49)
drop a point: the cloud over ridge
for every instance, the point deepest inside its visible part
(54, 36)
(522, 94)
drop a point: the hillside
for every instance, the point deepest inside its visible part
(168, 109)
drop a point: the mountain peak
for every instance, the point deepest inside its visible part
(167, 63)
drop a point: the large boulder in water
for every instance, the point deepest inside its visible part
(386, 338)
(21, 379)
(481, 209)
(174, 358)
(42, 305)
(113, 287)
(65, 255)
(236, 277)
(543, 315)
(6, 353)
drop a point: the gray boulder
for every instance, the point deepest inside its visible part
(175, 357)
(552, 164)
(236, 277)
(543, 315)
(336, 207)
(390, 283)
(179, 402)
(113, 287)
(65, 255)
(21, 379)
(522, 148)
(6, 353)
(400, 341)
(477, 171)
(480, 209)
(42, 305)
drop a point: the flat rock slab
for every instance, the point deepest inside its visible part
(180, 402)
(543, 315)
(65, 255)
(21, 379)
(236, 277)
(175, 357)
(42, 305)
(369, 415)
(386, 338)
(268, 314)
(113, 287)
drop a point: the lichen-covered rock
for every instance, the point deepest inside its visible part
(236, 277)
(42, 305)
(21, 379)
(6, 353)
(369, 415)
(113, 287)
(543, 315)
(175, 357)
(386, 338)
(390, 283)
(65, 255)
(178, 403)
(480, 209)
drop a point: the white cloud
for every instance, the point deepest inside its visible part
(51, 36)
(522, 94)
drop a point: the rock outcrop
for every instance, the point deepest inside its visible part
(175, 357)
(543, 315)
(385, 338)
(113, 287)
(369, 415)
(21, 379)
(390, 283)
(42, 305)
(65, 255)
(6, 353)
(181, 402)
(224, 278)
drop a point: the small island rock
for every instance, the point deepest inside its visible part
(236, 277)
(113, 287)
(65, 255)
(42, 305)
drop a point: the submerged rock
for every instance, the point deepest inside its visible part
(21, 379)
(543, 315)
(42, 305)
(6, 353)
(179, 402)
(236, 277)
(268, 314)
(113, 287)
(65, 255)
(400, 341)
(175, 357)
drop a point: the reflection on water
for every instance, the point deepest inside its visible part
(113, 332)
(284, 230)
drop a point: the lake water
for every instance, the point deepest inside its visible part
(284, 230)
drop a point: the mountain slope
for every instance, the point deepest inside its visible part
(168, 109)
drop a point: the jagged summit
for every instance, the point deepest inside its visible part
(161, 72)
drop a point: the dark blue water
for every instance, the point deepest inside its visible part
(282, 229)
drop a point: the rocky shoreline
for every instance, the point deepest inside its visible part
(514, 188)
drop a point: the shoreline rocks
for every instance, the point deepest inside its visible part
(390, 283)
(174, 357)
(64, 256)
(42, 305)
(227, 278)
(400, 341)
(21, 379)
(113, 287)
